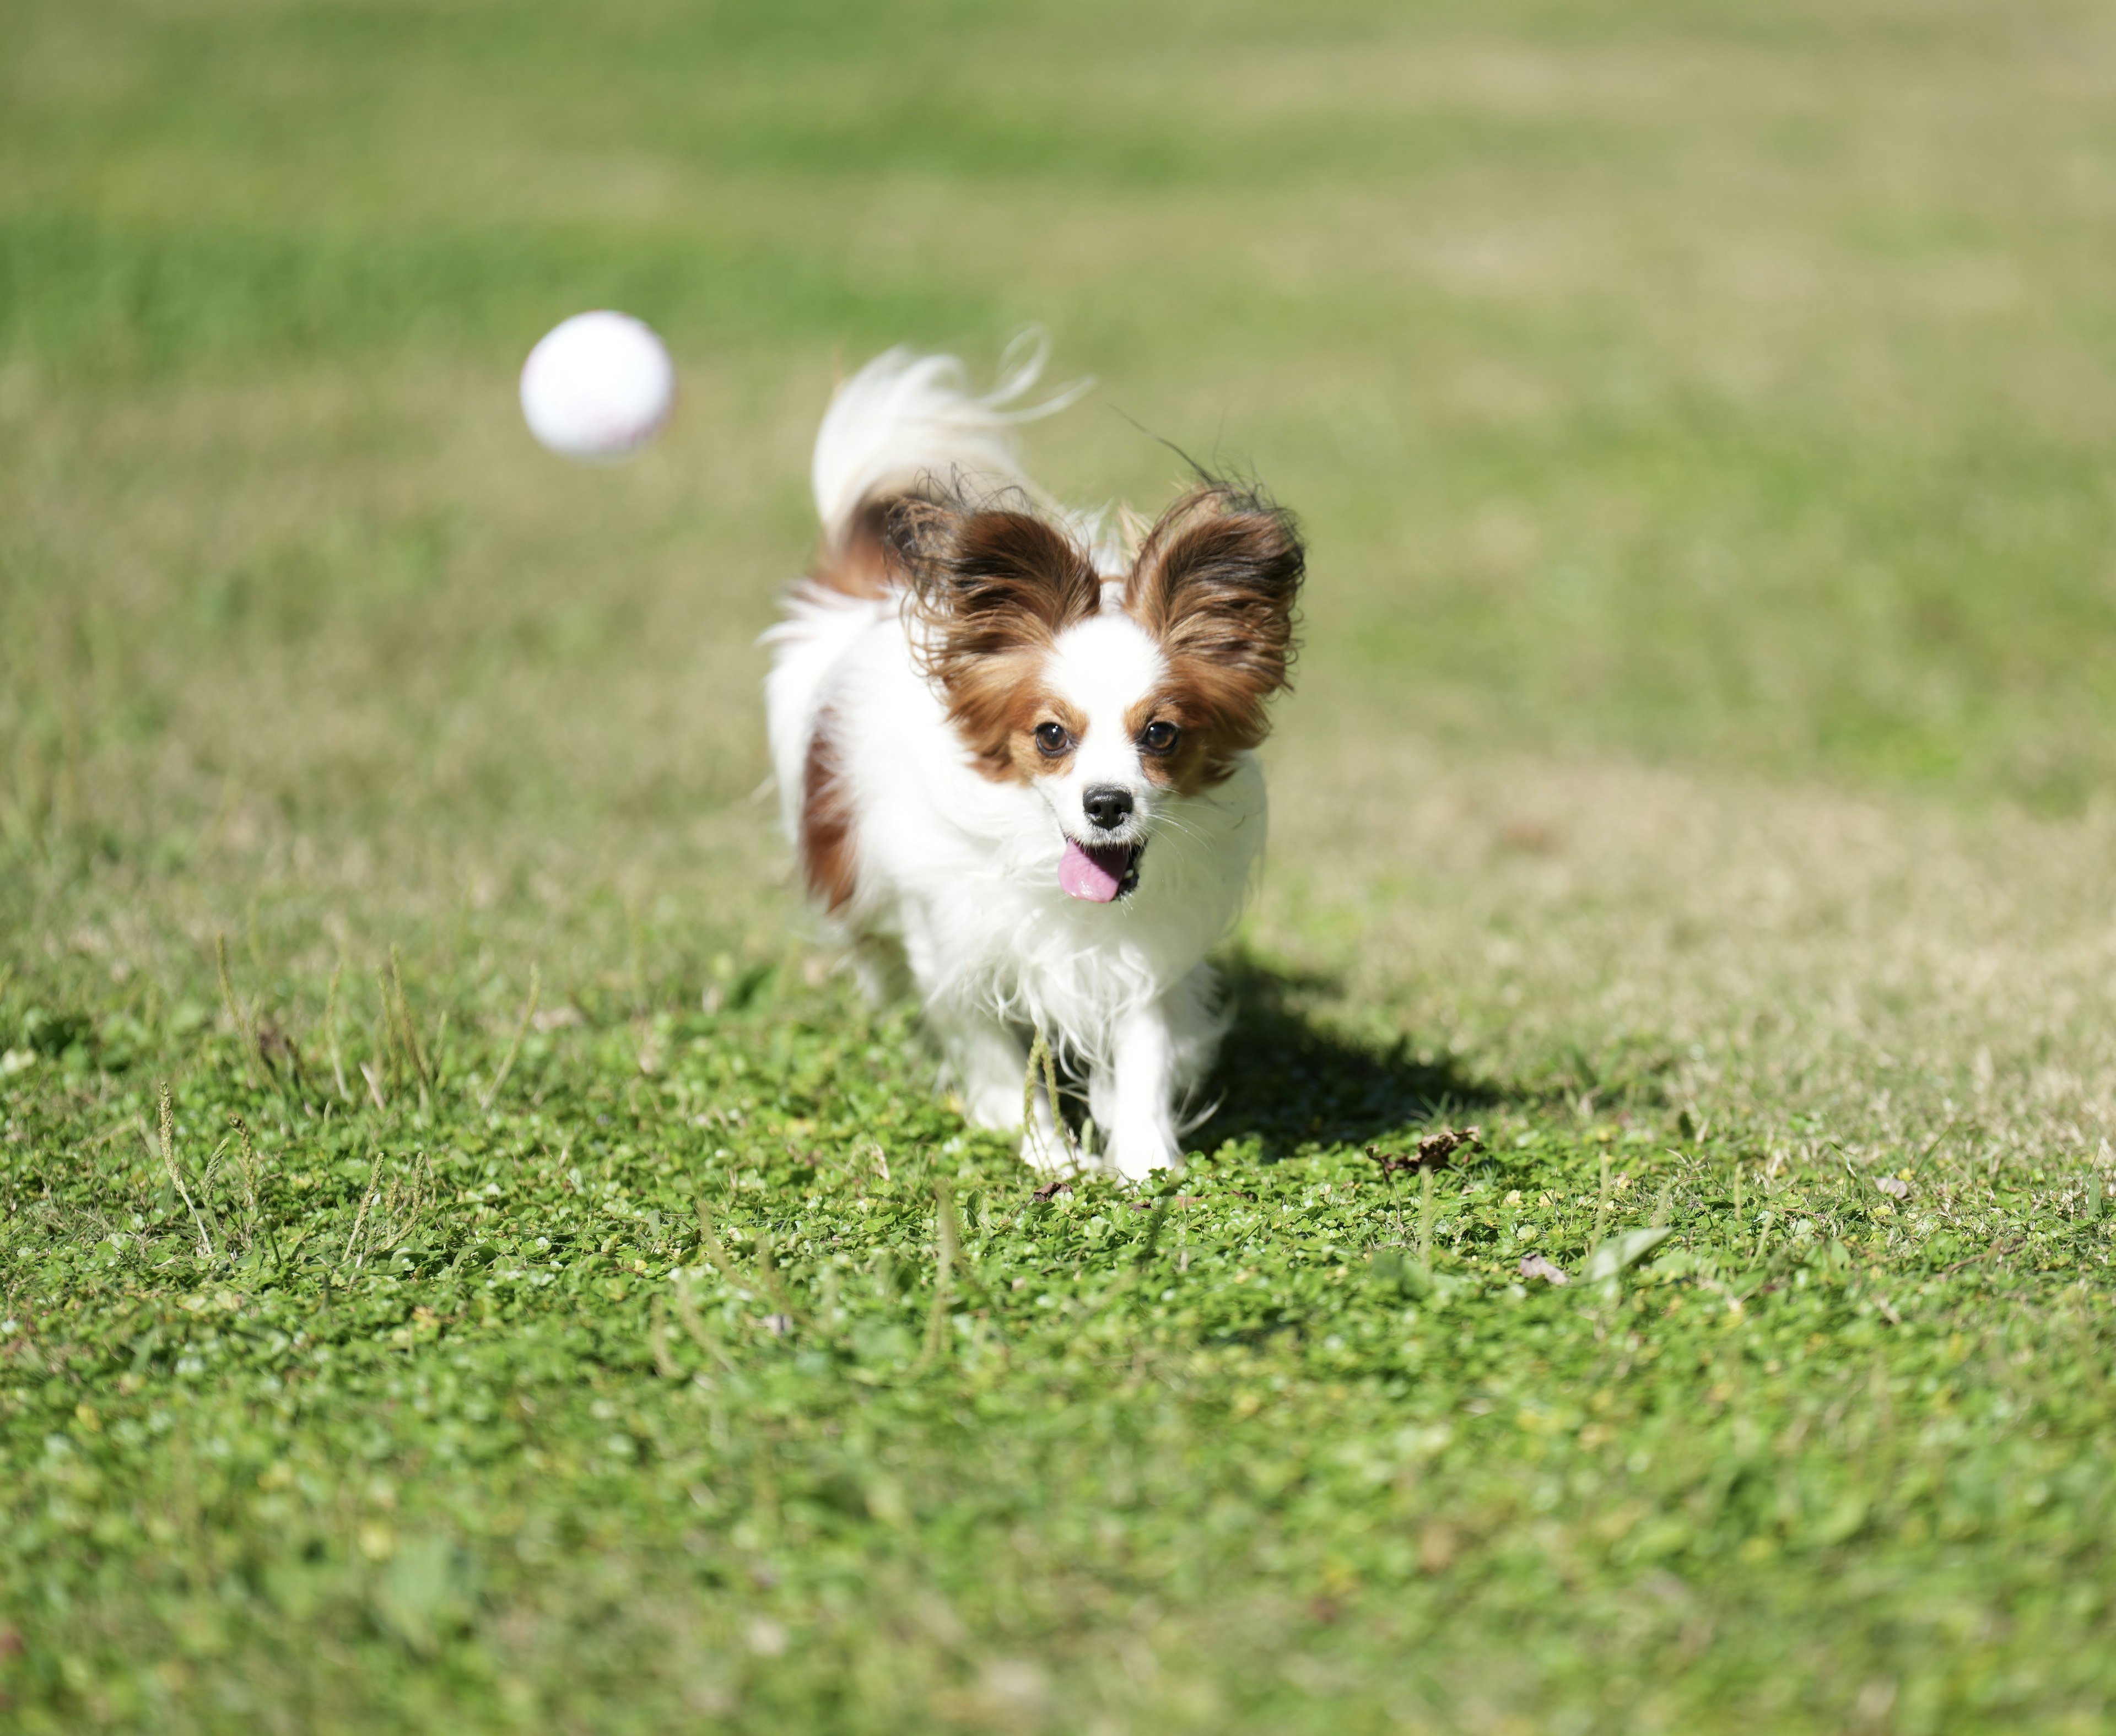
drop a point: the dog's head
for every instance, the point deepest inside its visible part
(1107, 695)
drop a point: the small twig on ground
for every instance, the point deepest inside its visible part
(1990, 1252)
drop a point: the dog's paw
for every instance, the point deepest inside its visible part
(1045, 1152)
(1138, 1155)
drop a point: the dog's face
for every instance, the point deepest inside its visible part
(1108, 696)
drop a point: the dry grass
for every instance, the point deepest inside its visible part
(1797, 958)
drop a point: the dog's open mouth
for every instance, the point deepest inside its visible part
(1099, 872)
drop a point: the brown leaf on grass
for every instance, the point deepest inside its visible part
(1433, 1152)
(1534, 1265)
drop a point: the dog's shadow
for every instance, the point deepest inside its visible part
(1287, 1080)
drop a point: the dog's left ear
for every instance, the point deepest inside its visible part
(1215, 582)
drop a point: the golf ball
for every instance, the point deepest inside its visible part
(598, 386)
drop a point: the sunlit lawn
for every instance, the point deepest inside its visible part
(558, 1302)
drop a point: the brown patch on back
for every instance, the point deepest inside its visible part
(826, 822)
(993, 590)
(1216, 582)
(858, 565)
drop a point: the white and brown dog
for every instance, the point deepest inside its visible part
(1016, 752)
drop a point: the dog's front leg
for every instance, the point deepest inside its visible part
(1131, 1098)
(989, 1064)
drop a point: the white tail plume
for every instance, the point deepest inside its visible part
(905, 417)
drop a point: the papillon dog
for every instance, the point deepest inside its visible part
(1015, 748)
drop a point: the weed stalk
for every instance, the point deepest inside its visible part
(360, 1217)
(948, 1248)
(330, 1033)
(176, 1176)
(1425, 1174)
(1039, 1049)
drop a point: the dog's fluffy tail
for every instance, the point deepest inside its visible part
(906, 422)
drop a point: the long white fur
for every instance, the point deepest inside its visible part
(957, 875)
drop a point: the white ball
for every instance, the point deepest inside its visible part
(597, 386)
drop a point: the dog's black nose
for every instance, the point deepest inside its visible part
(1107, 805)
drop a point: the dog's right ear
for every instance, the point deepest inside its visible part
(988, 583)
(1217, 582)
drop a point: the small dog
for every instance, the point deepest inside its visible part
(1016, 749)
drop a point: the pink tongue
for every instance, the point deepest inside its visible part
(1093, 875)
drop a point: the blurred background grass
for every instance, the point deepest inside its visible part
(1721, 383)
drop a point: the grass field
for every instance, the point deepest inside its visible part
(547, 1299)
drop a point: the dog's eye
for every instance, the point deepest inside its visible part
(1051, 738)
(1158, 738)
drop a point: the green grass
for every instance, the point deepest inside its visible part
(1700, 414)
(650, 1392)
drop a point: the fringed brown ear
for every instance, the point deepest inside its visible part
(1216, 582)
(993, 590)
(992, 582)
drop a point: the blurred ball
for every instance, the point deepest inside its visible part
(597, 386)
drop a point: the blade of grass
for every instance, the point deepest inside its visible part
(491, 1092)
